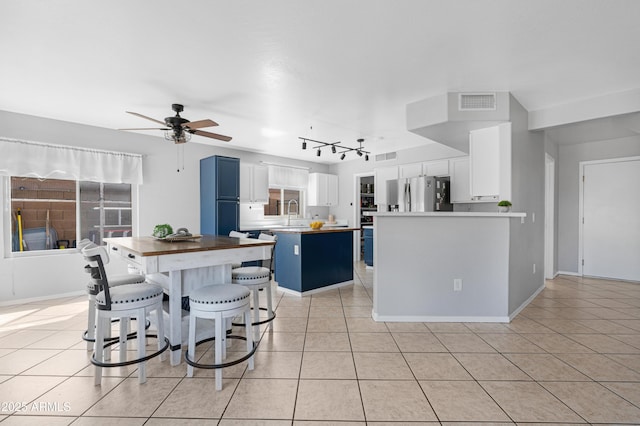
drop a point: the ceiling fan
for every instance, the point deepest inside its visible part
(179, 129)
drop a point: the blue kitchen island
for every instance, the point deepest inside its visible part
(309, 261)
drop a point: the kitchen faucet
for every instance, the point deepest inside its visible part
(289, 210)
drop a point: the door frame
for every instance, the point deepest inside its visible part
(549, 217)
(356, 212)
(581, 166)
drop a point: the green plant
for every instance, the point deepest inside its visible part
(504, 203)
(161, 231)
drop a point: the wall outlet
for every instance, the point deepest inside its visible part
(457, 284)
(296, 249)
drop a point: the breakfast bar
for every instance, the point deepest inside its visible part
(312, 260)
(181, 267)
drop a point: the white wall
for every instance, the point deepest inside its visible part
(166, 196)
(569, 157)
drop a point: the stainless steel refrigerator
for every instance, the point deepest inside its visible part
(419, 194)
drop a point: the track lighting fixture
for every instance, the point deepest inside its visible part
(335, 146)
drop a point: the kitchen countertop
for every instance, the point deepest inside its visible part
(276, 227)
(308, 230)
(446, 214)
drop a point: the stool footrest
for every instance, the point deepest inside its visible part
(133, 361)
(111, 339)
(264, 321)
(224, 364)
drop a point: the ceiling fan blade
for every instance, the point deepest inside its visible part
(147, 128)
(200, 123)
(147, 118)
(211, 135)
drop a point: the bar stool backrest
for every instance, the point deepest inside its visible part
(97, 258)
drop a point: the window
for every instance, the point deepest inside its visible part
(45, 212)
(279, 199)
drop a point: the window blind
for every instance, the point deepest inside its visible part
(49, 161)
(288, 177)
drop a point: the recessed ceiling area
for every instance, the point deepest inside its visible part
(271, 72)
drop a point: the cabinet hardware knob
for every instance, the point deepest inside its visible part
(114, 248)
(131, 256)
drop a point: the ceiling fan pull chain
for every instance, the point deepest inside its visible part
(179, 157)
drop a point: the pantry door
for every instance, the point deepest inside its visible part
(611, 219)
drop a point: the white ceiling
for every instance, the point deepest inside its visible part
(325, 69)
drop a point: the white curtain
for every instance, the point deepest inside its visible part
(48, 161)
(288, 177)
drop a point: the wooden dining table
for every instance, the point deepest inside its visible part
(182, 266)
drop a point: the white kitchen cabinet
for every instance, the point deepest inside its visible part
(410, 170)
(436, 168)
(254, 183)
(460, 181)
(382, 175)
(490, 163)
(323, 190)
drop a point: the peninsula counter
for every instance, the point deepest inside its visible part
(449, 266)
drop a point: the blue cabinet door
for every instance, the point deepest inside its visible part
(219, 195)
(228, 178)
(228, 214)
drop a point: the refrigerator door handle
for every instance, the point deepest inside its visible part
(408, 198)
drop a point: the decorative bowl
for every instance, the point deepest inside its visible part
(316, 224)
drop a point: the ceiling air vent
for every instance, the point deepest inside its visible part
(386, 156)
(477, 102)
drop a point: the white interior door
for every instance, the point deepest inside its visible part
(611, 219)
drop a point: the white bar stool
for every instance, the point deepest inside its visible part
(124, 302)
(92, 290)
(256, 278)
(219, 302)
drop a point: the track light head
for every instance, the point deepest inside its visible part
(304, 144)
(318, 152)
(366, 157)
(359, 153)
(342, 156)
(333, 149)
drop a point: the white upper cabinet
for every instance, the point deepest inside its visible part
(323, 190)
(490, 163)
(254, 183)
(460, 181)
(383, 174)
(436, 168)
(410, 170)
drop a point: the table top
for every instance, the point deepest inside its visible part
(150, 246)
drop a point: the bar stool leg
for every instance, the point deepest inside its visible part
(91, 322)
(141, 338)
(256, 314)
(99, 347)
(161, 336)
(247, 331)
(124, 330)
(191, 350)
(220, 343)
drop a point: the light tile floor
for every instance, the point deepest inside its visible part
(571, 357)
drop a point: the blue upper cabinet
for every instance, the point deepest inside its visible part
(219, 195)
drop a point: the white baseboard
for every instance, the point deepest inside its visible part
(41, 298)
(315, 290)
(574, 274)
(429, 318)
(526, 303)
